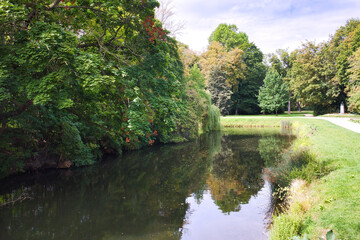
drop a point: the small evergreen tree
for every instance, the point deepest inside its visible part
(273, 94)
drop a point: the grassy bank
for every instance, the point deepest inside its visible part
(332, 201)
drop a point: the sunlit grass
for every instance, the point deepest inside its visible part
(335, 197)
(293, 114)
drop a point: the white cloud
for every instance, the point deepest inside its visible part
(271, 24)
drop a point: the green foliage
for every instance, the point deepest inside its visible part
(79, 79)
(244, 74)
(244, 98)
(292, 164)
(273, 94)
(246, 87)
(324, 75)
(229, 36)
(71, 145)
(297, 162)
(219, 89)
(285, 226)
(200, 108)
(354, 82)
(310, 79)
(211, 119)
(345, 41)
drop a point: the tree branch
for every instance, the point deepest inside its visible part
(79, 7)
(53, 5)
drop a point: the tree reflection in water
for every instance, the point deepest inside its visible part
(141, 195)
(237, 169)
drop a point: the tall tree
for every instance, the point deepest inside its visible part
(342, 45)
(244, 100)
(229, 36)
(282, 61)
(273, 94)
(219, 89)
(354, 82)
(312, 81)
(229, 62)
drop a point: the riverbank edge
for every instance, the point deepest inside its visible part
(331, 200)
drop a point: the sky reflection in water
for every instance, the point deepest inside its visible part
(209, 189)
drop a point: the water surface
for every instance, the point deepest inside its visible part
(213, 188)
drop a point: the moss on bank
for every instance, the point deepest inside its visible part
(333, 199)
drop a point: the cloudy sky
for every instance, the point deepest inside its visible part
(270, 24)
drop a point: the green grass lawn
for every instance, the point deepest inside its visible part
(336, 196)
(293, 114)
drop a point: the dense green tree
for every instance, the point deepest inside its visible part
(273, 94)
(282, 62)
(321, 73)
(244, 98)
(199, 105)
(342, 45)
(229, 36)
(311, 79)
(82, 78)
(354, 82)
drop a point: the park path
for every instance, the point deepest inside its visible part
(343, 122)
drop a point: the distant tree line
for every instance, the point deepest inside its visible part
(318, 76)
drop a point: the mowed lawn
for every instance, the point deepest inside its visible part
(336, 196)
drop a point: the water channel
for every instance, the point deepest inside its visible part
(213, 188)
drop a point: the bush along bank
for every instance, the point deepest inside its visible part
(290, 175)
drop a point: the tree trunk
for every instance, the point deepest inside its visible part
(299, 106)
(236, 111)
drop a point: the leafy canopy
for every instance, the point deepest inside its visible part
(273, 95)
(229, 36)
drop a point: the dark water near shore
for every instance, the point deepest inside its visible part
(213, 188)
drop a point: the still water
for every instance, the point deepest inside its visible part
(213, 188)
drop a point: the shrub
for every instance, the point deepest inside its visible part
(285, 226)
(294, 163)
